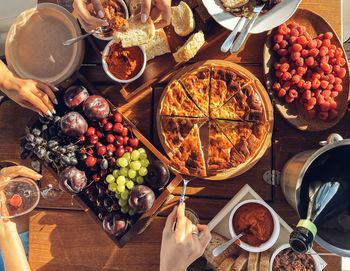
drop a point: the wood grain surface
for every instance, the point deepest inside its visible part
(63, 237)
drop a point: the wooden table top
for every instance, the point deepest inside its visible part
(62, 236)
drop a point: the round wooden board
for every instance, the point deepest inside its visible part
(268, 112)
(295, 112)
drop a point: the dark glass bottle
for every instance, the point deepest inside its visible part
(329, 200)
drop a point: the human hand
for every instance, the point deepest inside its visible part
(182, 246)
(88, 21)
(156, 8)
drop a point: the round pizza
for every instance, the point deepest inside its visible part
(213, 119)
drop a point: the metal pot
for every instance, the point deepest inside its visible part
(291, 183)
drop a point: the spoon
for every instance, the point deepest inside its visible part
(218, 250)
(185, 182)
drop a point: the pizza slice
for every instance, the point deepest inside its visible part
(197, 86)
(177, 103)
(219, 149)
(246, 137)
(176, 129)
(246, 104)
(225, 82)
(188, 159)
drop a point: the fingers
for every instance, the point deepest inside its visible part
(166, 15)
(181, 223)
(51, 86)
(145, 10)
(46, 89)
(8, 173)
(169, 224)
(44, 99)
(98, 8)
(155, 12)
(3, 208)
(43, 103)
(87, 21)
(206, 237)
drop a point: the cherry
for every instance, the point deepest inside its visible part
(110, 138)
(125, 140)
(83, 150)
(101, 150)
(90, 161)
(103, 172)
(134, 142)
(125, 131)
(118, 128)
(117, 117)
(111, 160)
(90, 131)
(90, 152)
(111, 147)
(99, 134)
(108, 126)
(16, 200)
(96, 178)
(119, 141)
(93, 139)
(120, 151)
(98, 144)
(129, 149)
(82, 138)
(104, 121)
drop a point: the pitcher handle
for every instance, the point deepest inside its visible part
(332, 138)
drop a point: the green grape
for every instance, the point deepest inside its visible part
(117, 195)
(143, 156)
(144, 162)
(110, 178)
(123, 171)
(141, 150)
(127, 156)
(135, 155)
(122, 202)
(131, 212)
(139, 179)
(121, 180)
(143, 171)
(125, 195)
(135, 165)
(130, 185)
(120, 188)
(123, 162)
(132, 173)
(116, 173)
(112, 187)
(125, 209)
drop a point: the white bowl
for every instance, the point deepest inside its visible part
(105, 65)
(285, 246)
(126, 17)
(275, 233)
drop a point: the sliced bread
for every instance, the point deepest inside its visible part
(138, 33)
(253, 261)
(190, 48)
(182, 19)
(158, 46)
(265, 260)
(217, 240)
(241, 263)
(226, 264)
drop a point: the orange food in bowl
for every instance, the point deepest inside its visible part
(124, 63)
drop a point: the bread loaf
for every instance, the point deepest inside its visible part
(253, 261)
(241, 263)
(158, 46)
(138, 33)
(190, 48)
(265, 260)
(226, 264)
(182, 19)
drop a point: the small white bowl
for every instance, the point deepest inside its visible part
(105, 65)
(285, 246)
(126, 11)
(275, 233)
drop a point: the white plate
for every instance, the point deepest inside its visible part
(274, 17)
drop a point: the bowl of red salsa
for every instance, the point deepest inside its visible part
(259, 223)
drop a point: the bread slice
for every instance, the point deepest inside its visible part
(241, 263)
(253, 261)
(182, 19)
(265, 260)
(158, 46)
(190, 48)
(226, 264)
(217, 240)
(138, 33)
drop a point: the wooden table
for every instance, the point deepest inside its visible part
(63, 237)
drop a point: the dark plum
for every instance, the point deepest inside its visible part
(75, 96)
(141, 199)
(72, 180)
(73, 124)
(96, 108)
(114, 224)
(158, 174)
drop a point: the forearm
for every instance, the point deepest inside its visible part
(12, 249)
(5, 77)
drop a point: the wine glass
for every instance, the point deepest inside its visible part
(18, 196)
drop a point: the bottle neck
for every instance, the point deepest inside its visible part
(301, 239)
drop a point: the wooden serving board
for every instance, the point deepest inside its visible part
(267, 106)
(295, 112)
